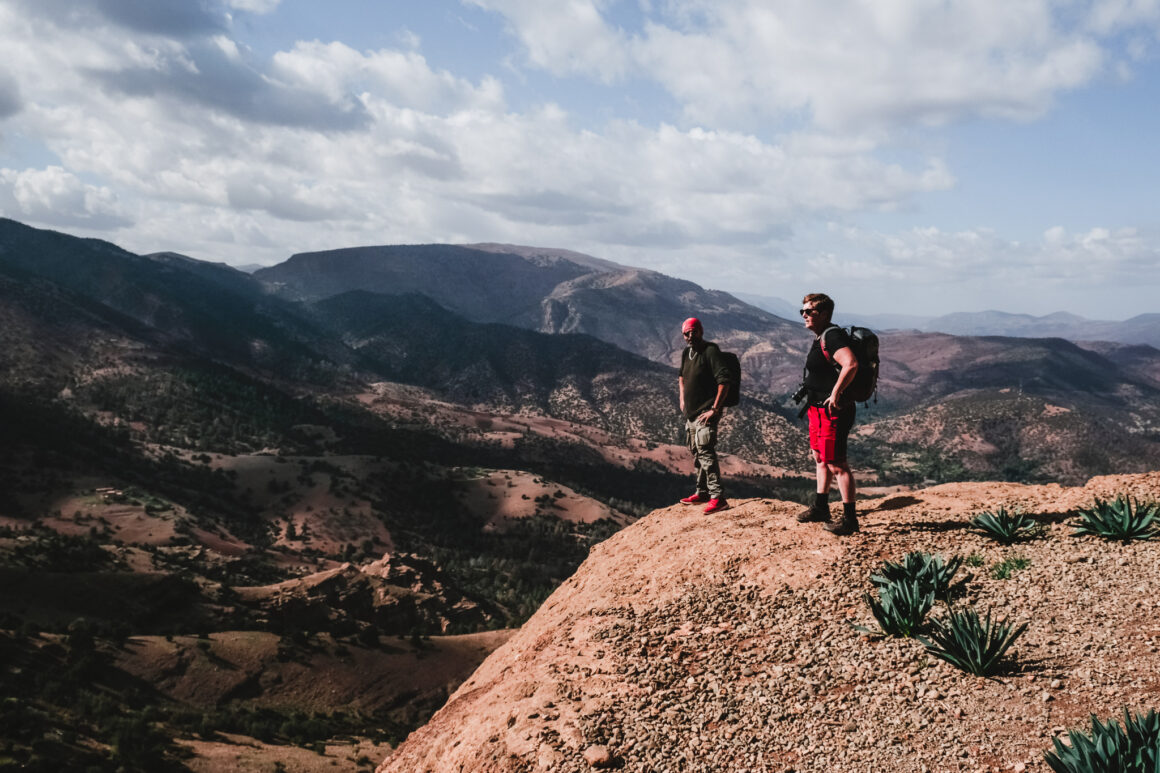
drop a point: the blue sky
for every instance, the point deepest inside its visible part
(905, 156)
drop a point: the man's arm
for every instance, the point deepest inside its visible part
(849, 364)
(681, 391)
(708, 415)
(721, 376)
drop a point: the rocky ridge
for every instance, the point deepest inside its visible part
(725, 643)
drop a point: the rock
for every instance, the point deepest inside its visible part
(599, 756)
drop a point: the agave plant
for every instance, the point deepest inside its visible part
(1122, 518)
(1133, 748)
(931, 572)
(1005, 527)
(971, 644)
(900, 609)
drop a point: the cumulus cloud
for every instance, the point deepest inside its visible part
(254, 6)
(566, 37)
(928, 270)
(843, 64)
(215, 77)
(56, 197)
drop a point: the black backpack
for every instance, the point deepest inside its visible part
(733, 396)
(864, 344)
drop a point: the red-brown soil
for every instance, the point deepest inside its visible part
(725, 643)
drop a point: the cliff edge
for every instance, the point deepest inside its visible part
(725, 643)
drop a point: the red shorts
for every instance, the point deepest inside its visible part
(829, 433)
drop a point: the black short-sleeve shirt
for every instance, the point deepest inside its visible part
(822, 372)
(701, 372)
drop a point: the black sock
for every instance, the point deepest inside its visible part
(849, 510)
(822, 502)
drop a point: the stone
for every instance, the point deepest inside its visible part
(599, 756)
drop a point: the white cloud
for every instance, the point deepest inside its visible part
(566, 36)
(841, 63)
(56, 197)
(1097, 272)
(401, 79)
(254, 6)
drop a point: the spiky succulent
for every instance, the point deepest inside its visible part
(932, 573)
(1123, 518)
(970, 644)
(1004, 526)
(1132, 748)
(900, 609)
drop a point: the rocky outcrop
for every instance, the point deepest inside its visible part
(726, 643)
(398, 594)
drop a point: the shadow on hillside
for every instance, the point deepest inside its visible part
(953, 524)
(896, 503)
(1053, 517)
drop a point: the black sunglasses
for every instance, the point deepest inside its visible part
(810, 312)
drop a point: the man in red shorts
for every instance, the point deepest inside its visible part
(830, 368)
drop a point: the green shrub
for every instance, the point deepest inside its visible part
(1122, 518)
(1003, 569)
(970, 644)
(1133, 748)
(900, 609)
(1005, 527)
(931, 572)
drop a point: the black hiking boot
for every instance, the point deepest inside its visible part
(813, 515)
(847, 524)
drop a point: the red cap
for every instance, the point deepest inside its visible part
(690, 324)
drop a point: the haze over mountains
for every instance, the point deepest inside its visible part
(1140, 329)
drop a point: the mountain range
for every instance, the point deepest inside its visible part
(418, 441)
(1140, 329)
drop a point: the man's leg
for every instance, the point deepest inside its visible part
(845, 478)
(848, 523)
(706, 437)
(702, 492)
(821, 444)
(840, 468)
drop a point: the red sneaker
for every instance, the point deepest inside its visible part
(715, 504)
(695, 499)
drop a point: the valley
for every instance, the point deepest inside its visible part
(284, 516)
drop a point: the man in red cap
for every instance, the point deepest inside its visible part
(703, 383)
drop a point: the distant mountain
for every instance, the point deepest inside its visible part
(551, 291)
(412, 340)
(1141, 329)
(176, 302)
(789, 311)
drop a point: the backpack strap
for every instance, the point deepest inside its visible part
(822, 343)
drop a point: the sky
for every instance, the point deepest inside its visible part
(904, 156)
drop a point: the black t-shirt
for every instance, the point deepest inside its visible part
(821, 373)
(701, 372)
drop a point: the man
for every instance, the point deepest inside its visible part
(702, 385)
(830, 368)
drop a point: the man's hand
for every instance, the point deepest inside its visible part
(707, 416)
